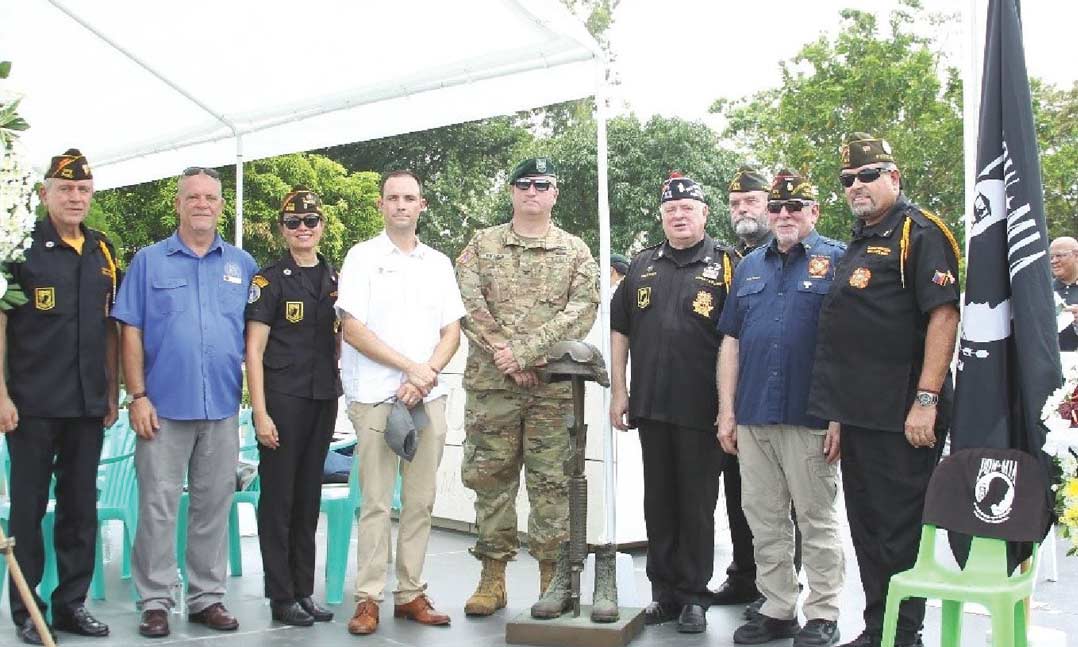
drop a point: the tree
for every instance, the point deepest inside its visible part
(1056, 113)
(894, 86)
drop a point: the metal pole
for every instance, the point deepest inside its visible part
(971, 109)
(239, 191)
(609, 468)
(7, 546)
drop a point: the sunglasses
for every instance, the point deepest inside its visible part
(866, 176)
(792, 206)
(199, 170)
(540, 185)
(309, 221)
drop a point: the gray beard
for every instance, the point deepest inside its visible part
(749, 229)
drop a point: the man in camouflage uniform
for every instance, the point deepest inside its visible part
(526, 285)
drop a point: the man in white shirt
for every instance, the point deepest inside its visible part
(401, 309)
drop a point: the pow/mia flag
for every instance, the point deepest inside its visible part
(1008, 359)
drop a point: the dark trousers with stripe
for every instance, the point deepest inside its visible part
(70, 448)
(681, 487)
(885, 479)
(291, 484)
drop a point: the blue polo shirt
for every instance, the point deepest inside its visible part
(190, 312)
(772, 311)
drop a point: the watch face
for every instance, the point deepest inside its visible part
(927, 399)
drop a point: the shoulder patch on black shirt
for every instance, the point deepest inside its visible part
(259, 281)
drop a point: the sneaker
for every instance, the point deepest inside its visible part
(817, 633)
(763, 629)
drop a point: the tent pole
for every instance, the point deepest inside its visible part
(609, 468)
(239, 191)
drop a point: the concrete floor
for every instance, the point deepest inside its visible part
(452, 573)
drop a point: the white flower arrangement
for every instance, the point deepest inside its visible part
(17, 204)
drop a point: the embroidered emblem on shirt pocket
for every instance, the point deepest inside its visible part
(643, 297)
(44, 298)
(293, 311)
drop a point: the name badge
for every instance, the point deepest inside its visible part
(232, 279)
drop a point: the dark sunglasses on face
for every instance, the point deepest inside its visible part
(792, 206)
(309, 221)
(198, 170)
(540, 185)
(866, 176)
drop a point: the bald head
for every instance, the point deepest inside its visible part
(1063, 253)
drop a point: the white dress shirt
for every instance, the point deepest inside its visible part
(403, 298)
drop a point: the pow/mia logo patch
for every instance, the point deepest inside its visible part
(818, 266)
(703, 304)
(643, 297)
(293, 311)
(44, 298)
(860, 277)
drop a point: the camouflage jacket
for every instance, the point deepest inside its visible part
(528, 292)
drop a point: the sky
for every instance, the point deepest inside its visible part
(676, 58)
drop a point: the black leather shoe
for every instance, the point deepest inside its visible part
(657, 613)
(27, 633)
(79, 621)
(291, 613)
(763, 629)
(215, 616)
(753, 609)
(693, 619)
(320, 614)
(868, 638)
(734, 592)
(817, 633)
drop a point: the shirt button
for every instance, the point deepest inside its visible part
(780, 294)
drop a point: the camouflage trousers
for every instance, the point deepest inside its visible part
(504, 432)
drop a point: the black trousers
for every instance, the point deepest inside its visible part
(742, 568)
(885, 480)
(70, 448)
(291, 484)
(681, 487)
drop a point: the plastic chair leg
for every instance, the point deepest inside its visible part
(97, 582)
(1021, 628)
(49, 576)
(890, 617)
(181, 535)
(128, 547)
(1003, 623)
(338, 540)
(235, 550)
(951, 624)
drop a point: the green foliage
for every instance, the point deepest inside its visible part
(1056, 114)
(887, 85)
(140, 215)
(11, 124)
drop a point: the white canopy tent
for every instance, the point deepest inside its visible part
(147, 88)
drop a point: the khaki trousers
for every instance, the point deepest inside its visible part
(377, 476)
(780, 463)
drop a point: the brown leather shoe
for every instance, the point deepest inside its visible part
(422, 611)
(154, 623)
(365, 620)
(215, 616)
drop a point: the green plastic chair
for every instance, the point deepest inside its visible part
(340, 507)
(984, 580)
(992, 496)
(117, 499)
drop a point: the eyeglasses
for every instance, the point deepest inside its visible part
(309, 221)
(199, 170)
(792, 206)
(866, 176)
(540, 185)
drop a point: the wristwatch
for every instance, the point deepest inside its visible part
(927, 398)
(131, 397)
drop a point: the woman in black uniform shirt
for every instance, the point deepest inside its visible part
(292, 349)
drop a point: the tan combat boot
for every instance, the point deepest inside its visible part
(547, 569)
(489, 596)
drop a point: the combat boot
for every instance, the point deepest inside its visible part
(547, 568)
(558, 596)
(489, 596)
(604, 603)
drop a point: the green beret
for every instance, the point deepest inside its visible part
(72, 165)
(301, 200)
(748, 179)
(534, 166)
(862, 148)
(619, 263)
(789, 185)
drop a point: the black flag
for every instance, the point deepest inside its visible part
(1008, 359)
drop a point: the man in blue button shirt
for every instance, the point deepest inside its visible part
(765, 366)
(182, 349)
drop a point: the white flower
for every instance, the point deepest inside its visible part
(17, 203)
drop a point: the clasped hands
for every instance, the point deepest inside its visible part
(507, 363)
